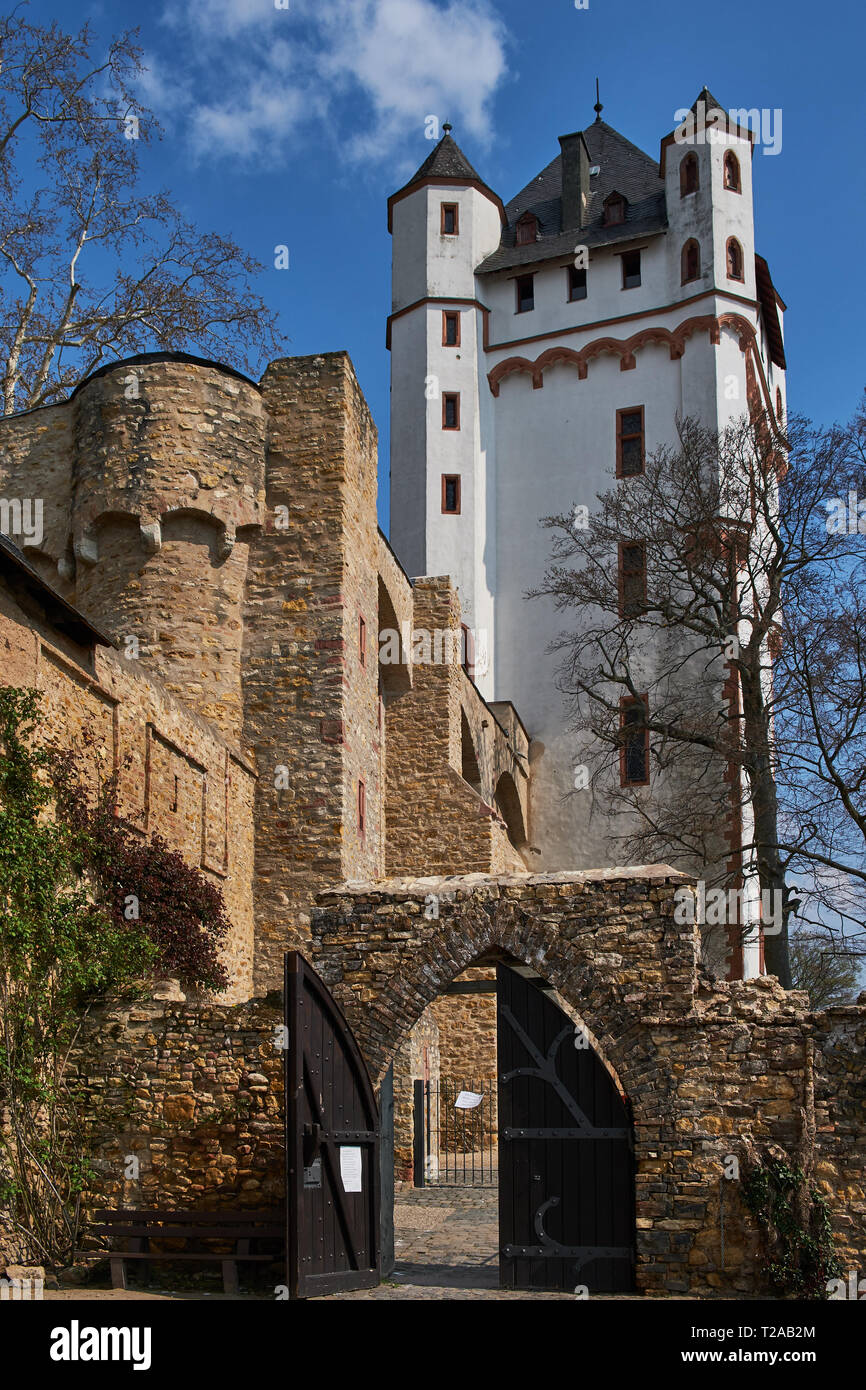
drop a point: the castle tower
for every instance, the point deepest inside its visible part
(620, 294)
(443, 221)
(167, 487)
(312, 716)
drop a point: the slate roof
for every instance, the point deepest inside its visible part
(622, 168)
(446, 161)
(770, 309)
(710, 103)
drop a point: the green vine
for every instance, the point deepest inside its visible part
(799, 1258)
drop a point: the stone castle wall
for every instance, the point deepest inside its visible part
(176, 773)
(224, 535)
(710, 1068)
(194, 1093)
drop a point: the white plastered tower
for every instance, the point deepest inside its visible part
(443, 222)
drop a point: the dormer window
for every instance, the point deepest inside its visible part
(732, 172)
(527, 229)
(614, 209)
(689, 174)
(691, 261)
(734, 256)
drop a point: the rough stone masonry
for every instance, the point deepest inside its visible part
(222, 534)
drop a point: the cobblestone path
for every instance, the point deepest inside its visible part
(446, 1241)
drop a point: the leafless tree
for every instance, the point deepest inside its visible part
(828, 974)
(677, 586)
(92, 267)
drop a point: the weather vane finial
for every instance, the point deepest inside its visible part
(447, 128)
(598, 108)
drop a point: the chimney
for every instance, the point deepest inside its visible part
(575, 180)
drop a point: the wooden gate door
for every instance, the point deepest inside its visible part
(332, 1144)
(566, 1180)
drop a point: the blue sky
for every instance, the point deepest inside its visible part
(292, 125)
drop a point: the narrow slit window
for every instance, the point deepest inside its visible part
(735, 259)
(732, 172)
(450, 328)
(450, 219)
(632, 579)
(362, 807)
(634, 752)
(691, 261)
(451, 410)
(451, 493)
(689, 175)
(362, 641)
(630, 451)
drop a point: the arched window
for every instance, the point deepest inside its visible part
(691, 261)
(734, 259)
(732, 172)
(614, 209)
(527, 229)
(689, 174)
(779, 407)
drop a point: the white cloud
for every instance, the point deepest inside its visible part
(367, 72)
(412, 58)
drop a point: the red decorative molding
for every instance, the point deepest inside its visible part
(674, 339)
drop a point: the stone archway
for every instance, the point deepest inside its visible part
(589, 935)
(606, 941)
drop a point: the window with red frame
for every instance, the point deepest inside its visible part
(450, 219)
(450, 328)
(451, 493)
(735, 259)
(691, 261)
(732, 172)
(689, 175)
(629, 442)
(632, 578)
(634, 753)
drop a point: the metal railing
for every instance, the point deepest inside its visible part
(455, 1132)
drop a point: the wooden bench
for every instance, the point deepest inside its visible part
(240, 1230)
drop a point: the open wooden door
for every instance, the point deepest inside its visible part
(332, 1144)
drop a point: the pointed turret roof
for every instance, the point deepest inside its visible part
(710, 103)
(446, 161)
(446, 164)
(701, 109)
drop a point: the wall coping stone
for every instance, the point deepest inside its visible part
(420, 887)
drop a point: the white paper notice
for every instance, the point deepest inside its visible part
(350, 1168)
(467, 1100)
